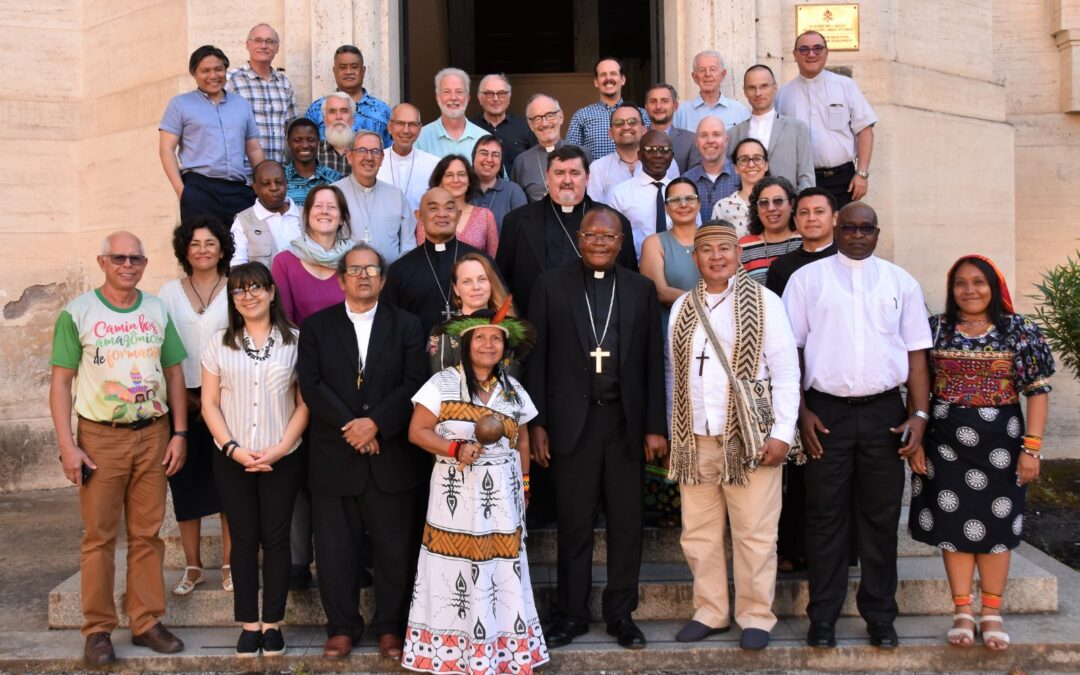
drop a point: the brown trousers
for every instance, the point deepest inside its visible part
(129, 479)
(754, 511)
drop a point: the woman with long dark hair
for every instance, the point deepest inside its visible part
(198, 305)
(476, 225)
(970, 485)
(252, 404)
(772, 226)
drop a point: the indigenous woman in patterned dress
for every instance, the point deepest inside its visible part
(472, 605)
(970, 486)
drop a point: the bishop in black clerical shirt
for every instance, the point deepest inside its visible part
(419, 281)
(596, 376)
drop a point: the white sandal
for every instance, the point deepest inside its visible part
(226, 577)
(956, 633)
(188, 583)
(999, 636)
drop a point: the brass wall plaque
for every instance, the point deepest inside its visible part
(838, 23)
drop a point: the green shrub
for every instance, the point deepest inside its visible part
(1059, 313)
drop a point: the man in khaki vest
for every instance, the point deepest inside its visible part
(271, 223)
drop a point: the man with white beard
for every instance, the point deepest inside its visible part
(451, 134)
(338, 115)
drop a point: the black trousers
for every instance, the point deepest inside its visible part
(836, 181)
(259, 508)
(791, 534)
(340, 523)
(606, 465)
(213, 197)
(860, 476)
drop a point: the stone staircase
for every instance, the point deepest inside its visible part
(666, 584)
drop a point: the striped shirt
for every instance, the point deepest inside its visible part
(327, 156)
(258, 397)
(757, 255)
(273, 103)
(589, 128)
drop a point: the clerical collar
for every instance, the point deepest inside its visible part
(851, 262)
(361, 316)
(567, 208)
(363, 188)
(815, 250)
(599, 274)
(439, 248)
(549, 148)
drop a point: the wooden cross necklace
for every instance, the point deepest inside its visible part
(600, 353)
(703, 357)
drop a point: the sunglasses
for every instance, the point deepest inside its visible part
(680, 201)
(864, 230)
(118, 260)
(776, 202)
(816, 49)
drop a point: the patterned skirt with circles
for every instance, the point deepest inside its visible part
(968, 500)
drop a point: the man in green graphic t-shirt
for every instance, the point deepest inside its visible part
(119, 348)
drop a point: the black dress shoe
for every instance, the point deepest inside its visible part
(627, 634)
(883, 635)
(564, 632)
(821, 635)
(695, 631)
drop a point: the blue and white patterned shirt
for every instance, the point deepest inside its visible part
(273, 103)
(589, 128)
(298, 187)
(371, 115)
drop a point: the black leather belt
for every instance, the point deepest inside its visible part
(603, 402)
(858, 400)
(134, 426)
(832, 171)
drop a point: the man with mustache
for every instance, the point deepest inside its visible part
(589, 125)
(333, 152)
(369, 113)
(451, 134)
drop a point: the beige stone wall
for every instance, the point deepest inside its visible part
(973, 149)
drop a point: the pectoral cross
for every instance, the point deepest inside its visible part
(599, 354)
(447, 313)
(701, 362)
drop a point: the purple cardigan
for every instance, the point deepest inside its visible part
(302, 294)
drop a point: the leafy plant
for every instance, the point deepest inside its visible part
(1059, 313)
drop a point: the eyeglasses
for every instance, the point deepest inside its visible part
(488, 154)
(363, 270)
(619, 124)
(402, 123)
(864, 230)
(656, 149)
(817, 49)
(600, 237)
(776, 202)
(364, 152)
(119, 260)
(752, 159)
(546, 117)
(256, 291)
(269, 42)
(502, 93)
(682, 200)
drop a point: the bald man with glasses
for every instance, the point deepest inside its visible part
(513, 131)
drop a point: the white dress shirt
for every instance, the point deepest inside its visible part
(833, 108)
(761, 127)
(284, 228)
(609, 171)
(636, 199)
(409, 174)
(709, 391)
(361, 322)
(856, 321)
(380, 215)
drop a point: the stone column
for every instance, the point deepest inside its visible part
(371, 25)
(727, 26)
(1065, 28)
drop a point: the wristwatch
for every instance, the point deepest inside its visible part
(920, 413)
(182, 434)
(863, 173)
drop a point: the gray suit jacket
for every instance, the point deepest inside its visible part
(790, 154)
(686, 152)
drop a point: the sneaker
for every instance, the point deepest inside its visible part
(249, 644)
(273, 642)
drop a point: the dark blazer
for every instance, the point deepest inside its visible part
(557, 370)
(685, 148)
(396, 368)
(522, 255)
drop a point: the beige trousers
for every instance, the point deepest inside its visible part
(754, 511)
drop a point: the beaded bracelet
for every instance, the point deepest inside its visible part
(1031, 453)
(1033, 443)
(525, 482)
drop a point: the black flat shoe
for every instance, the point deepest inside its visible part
(821, 635)
(627, 634)
(563, 633)
(695, 631)
(883, 635)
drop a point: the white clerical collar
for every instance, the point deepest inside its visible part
(851, 262)
(816, 78)
(361, 316)
(815, 250)
(363, 188)
(549, 148)
(567, 208)
(770, 114)
(599, 274)
(439, 248)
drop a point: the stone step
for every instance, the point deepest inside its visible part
(659, 545)
(666, 593)
(1040, 643)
